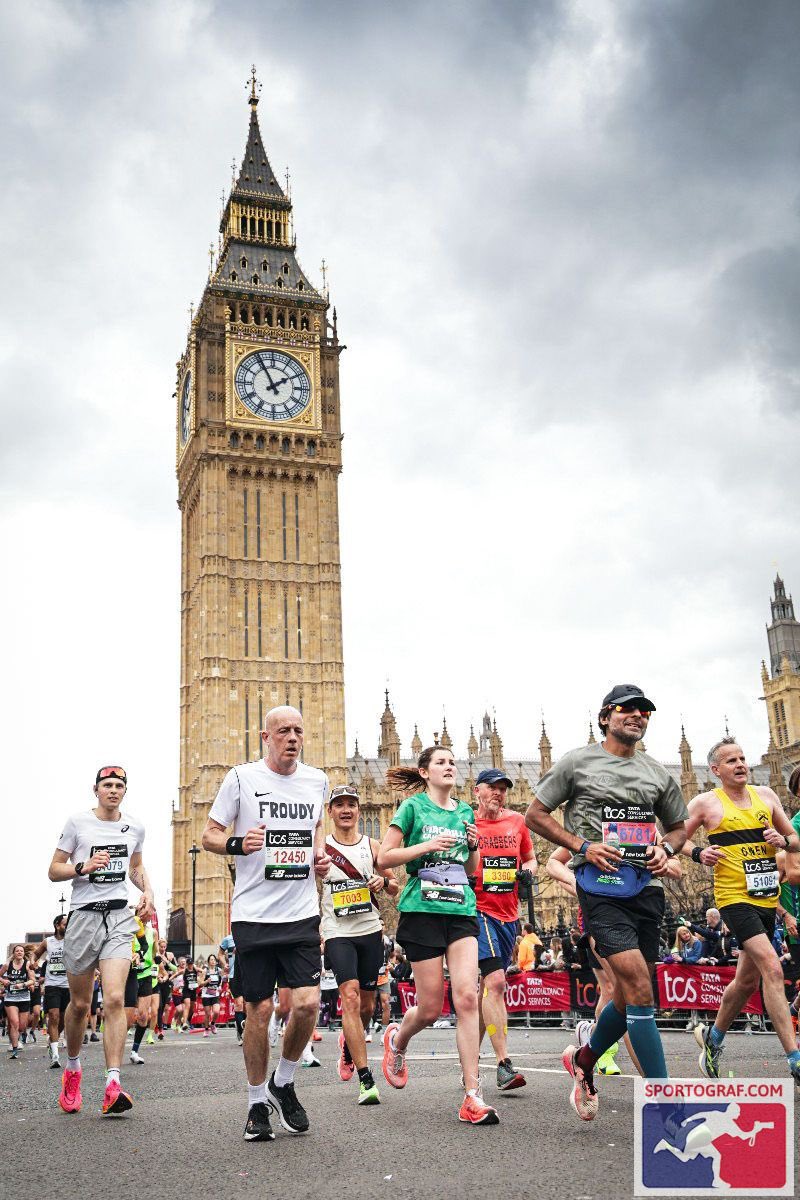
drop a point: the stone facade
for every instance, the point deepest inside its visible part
(258, 494)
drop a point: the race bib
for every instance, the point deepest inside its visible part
(441, 893)
(631, 828)
(56, 966)
(117, 864)
(350, 898)
(761, 878)
(288, 853)
(499, 873)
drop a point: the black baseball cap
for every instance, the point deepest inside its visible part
(626, 693)
(493, 775)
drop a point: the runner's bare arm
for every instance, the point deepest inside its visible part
(389, 884)
(699, 817)
(139, 878)
(556, 867)
(540, 820)
(782, 827)
(392, 852)
(322, 860)
(215, 838)
(657, 859)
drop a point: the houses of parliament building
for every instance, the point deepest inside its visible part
(258, 455)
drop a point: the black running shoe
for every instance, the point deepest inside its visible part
(291, 1114)
(258, 1128)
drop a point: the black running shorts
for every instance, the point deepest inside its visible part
(131, 989)
(145, 986)
(56, 997)
(427, 935)
(748, 920)
(618, 925)
(234, 984)
(287, 954)
(358, 958)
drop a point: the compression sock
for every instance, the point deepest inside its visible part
(609, 1028)
(365, 1076)
(239, 1022)
(256, 1094)
(646, 1040)
(112, 1075)
(716, 1036)
(73, 1064)
(138, 1034)
(285, 1072)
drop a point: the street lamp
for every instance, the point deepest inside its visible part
(195, 850)
(62, 900)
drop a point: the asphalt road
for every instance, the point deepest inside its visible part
(184, 1135)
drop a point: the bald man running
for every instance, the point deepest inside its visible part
(275, 806)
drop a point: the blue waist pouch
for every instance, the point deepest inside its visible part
(625, 882)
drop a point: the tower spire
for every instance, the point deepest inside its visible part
(255, 88)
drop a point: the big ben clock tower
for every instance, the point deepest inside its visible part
(258, 459)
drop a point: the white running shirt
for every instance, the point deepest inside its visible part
(277, 883)
(83, 835)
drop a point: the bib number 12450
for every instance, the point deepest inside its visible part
(288, 854)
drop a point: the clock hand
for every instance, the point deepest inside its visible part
(273, 387)
(284, 380)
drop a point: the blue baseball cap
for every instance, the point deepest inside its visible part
(493, 775)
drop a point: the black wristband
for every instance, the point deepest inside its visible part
(696, 852)
(787, 841)
(234, 845)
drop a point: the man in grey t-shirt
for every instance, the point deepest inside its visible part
(612, 795)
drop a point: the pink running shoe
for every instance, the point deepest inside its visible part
(115, 1101)
(70, 1098)
(583, 1097)
(346, 1065)
(394, 1063)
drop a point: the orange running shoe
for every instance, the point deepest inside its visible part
(316, 1036)
(71, 1098)
(345, 1064)
(115, 1101)
(474, 1112)
(583, 1097)
(394, 1063)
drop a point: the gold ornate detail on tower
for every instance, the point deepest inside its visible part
(496, 747)
(258, 459)
(545, 751)
(689, 784)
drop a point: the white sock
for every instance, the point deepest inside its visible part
(285, 1072)
(256, 1094)
(54, 1049)
(112, 1075)
(73, 1064)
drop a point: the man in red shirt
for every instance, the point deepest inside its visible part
(506, 849)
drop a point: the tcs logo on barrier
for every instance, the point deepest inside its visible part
(680, 989)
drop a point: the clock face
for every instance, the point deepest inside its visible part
(186, 407)
(273, 385)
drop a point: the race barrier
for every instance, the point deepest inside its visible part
(678, 986)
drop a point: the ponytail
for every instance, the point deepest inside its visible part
(406, 779)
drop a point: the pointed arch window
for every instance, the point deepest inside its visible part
(243, 263)
(264, 266)
(234, 277)
(254, 279)
(285, 268)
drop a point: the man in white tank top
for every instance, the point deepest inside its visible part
(351, 929)
(56, 984)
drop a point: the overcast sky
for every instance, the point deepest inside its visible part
(563, 246)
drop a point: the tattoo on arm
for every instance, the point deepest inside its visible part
(137, 877)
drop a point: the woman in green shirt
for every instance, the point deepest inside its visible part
(434, 837)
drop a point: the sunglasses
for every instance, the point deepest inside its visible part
(630, 708)
(343, 791)
(112, 773)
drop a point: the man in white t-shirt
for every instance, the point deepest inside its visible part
(275, 806)
(105, 846)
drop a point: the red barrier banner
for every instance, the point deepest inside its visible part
(408, 998)
(529, 991)
(538, 991)
(684, 986)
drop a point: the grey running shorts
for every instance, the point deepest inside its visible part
(94, 936)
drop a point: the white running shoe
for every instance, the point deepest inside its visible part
(309, 1058)
(136, 1058)
(583, 1031)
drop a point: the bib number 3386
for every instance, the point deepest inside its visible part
(288, 853)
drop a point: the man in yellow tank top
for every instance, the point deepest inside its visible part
(746, 827)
